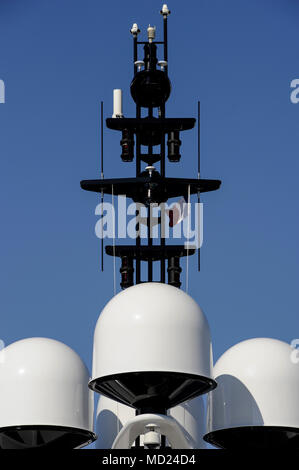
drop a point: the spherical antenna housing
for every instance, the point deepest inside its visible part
(150, 88)
(256, 402)
(44, 397)
(152, 348)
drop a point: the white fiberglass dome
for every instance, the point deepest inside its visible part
(256, 400)
(152, 348)
(44, 396)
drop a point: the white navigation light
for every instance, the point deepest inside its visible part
(135, 30)
(44, 397)
(165, 10)
(256, 401)
(152, 348)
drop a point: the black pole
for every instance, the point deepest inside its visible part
(149, 217)
(102, 176)
(198, 165)
(165, 40)
(198, 139)
(135, 52)
(162, 218)
(150, 243)
(138, 170)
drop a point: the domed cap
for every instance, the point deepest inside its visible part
(256, 401)
(44, 396)
(152, 345)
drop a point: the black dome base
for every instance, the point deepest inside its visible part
(152, 392)
(44, 437)
(255, 437)
(150, 88)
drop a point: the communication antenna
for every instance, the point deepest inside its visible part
(150, 89)
(152, 351)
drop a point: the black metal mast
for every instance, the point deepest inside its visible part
(150, 89)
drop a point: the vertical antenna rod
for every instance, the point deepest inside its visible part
(198, 167)
(102, 177)
(165, 12)
(135, 31)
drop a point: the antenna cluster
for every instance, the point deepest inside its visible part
(160, 136)
(152, 349)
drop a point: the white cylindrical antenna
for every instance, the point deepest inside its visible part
(117, 103)
(151, 33)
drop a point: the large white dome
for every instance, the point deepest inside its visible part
(257, 388)
(44, 395)
(148, 332)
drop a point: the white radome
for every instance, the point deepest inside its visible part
(43, 382)
(152, 327)
(257, 385)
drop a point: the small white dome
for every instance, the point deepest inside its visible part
(44, 385)
(257, 388)
(156, 329)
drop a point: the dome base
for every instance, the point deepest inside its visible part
(152, 392)
(44, 437)
(255, 437)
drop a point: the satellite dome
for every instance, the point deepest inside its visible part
(44, 396)
(152, 348)
(256, 401)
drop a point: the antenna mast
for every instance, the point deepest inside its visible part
(150, 90)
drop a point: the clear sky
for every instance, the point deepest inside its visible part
(58, 60)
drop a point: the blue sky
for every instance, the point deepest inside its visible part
(58, 60)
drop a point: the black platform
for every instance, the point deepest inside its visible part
(145, 124)
(162, 189)
(152, 392)
(44, 437)
(149, 253)
(150, 130)
(255, 437)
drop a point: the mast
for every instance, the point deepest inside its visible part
(150, 89)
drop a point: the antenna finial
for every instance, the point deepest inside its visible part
(135, 30)
(165, 10)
